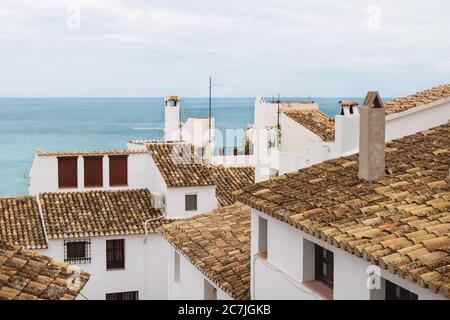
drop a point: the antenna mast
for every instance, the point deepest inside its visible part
(210, 107)
(278, 119)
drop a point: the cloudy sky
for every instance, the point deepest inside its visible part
(251, 47)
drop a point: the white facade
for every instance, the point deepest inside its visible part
(196, 131)
(145, 266)
(175, 203)
(186, 282)
(282, 274)
(266, 113)
(298, 147)
(146, 262)
(417, 119)
(287, 153)
(44, 174)
(199, 131)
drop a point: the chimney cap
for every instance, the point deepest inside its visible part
(172, 98)
(373, 100)
(348, 103)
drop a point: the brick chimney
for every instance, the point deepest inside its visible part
(372, 138)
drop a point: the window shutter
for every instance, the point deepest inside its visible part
(115, 254)
(191, 202)
(118, 171)
(93, 171)
(67, 172)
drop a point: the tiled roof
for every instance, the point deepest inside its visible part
(27, 275)
(400, 222)
(20, 222)
(418, 99)
(218, 244)
(179, 164)
(41, 153)
(348, 103)
(230, 179)
(144, 142)
(97, 213)
(315, 121)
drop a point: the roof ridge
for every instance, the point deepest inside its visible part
(98, 191)
(42, 153)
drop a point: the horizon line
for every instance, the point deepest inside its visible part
(182, 97)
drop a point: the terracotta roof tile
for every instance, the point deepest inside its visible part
(418, 99)
(20, 222)
(230, 179)
(41, 153)
(315, 121)
(399, 222)
(218, 244)
(27, 275)
(179, 164)
(97, 213)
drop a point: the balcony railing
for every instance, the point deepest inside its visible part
(233, 151)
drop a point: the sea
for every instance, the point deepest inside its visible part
(58, 124)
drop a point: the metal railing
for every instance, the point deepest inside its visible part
(233, 151)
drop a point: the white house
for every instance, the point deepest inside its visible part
(87, 207)
(199, 131)
(110, 234)
(290, 139)
(371, 226)
(27, 275)
(89, 170)
(210, 255)
(187, 182)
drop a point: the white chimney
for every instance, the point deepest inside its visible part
(348, 107)
(372, 138)
(172, 119)
(347, 128)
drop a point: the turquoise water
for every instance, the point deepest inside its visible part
(99, 123)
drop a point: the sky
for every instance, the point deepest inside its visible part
(298, 48)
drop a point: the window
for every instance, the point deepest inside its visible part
(176, 267)
(262, 237)
(118, 171)
(67, 173)
(131, 295)
(394, 292)
(324, 265)
(191, 202)
(210, 292)
(93, 172)
(77, 251)
(115, 254)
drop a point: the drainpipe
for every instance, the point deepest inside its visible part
(146, 251)
(41, 217)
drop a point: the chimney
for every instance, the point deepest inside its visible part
(372, 138)
(348, 107)
(346, 135)
(172, 118)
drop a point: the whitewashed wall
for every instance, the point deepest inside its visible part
(417, 119)
(295, 138)
(196, 131)
(287, 266)
(146, 268)
(206, 201)
(346, 136)
(191, 283)
(301, 148)
(44, 174)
